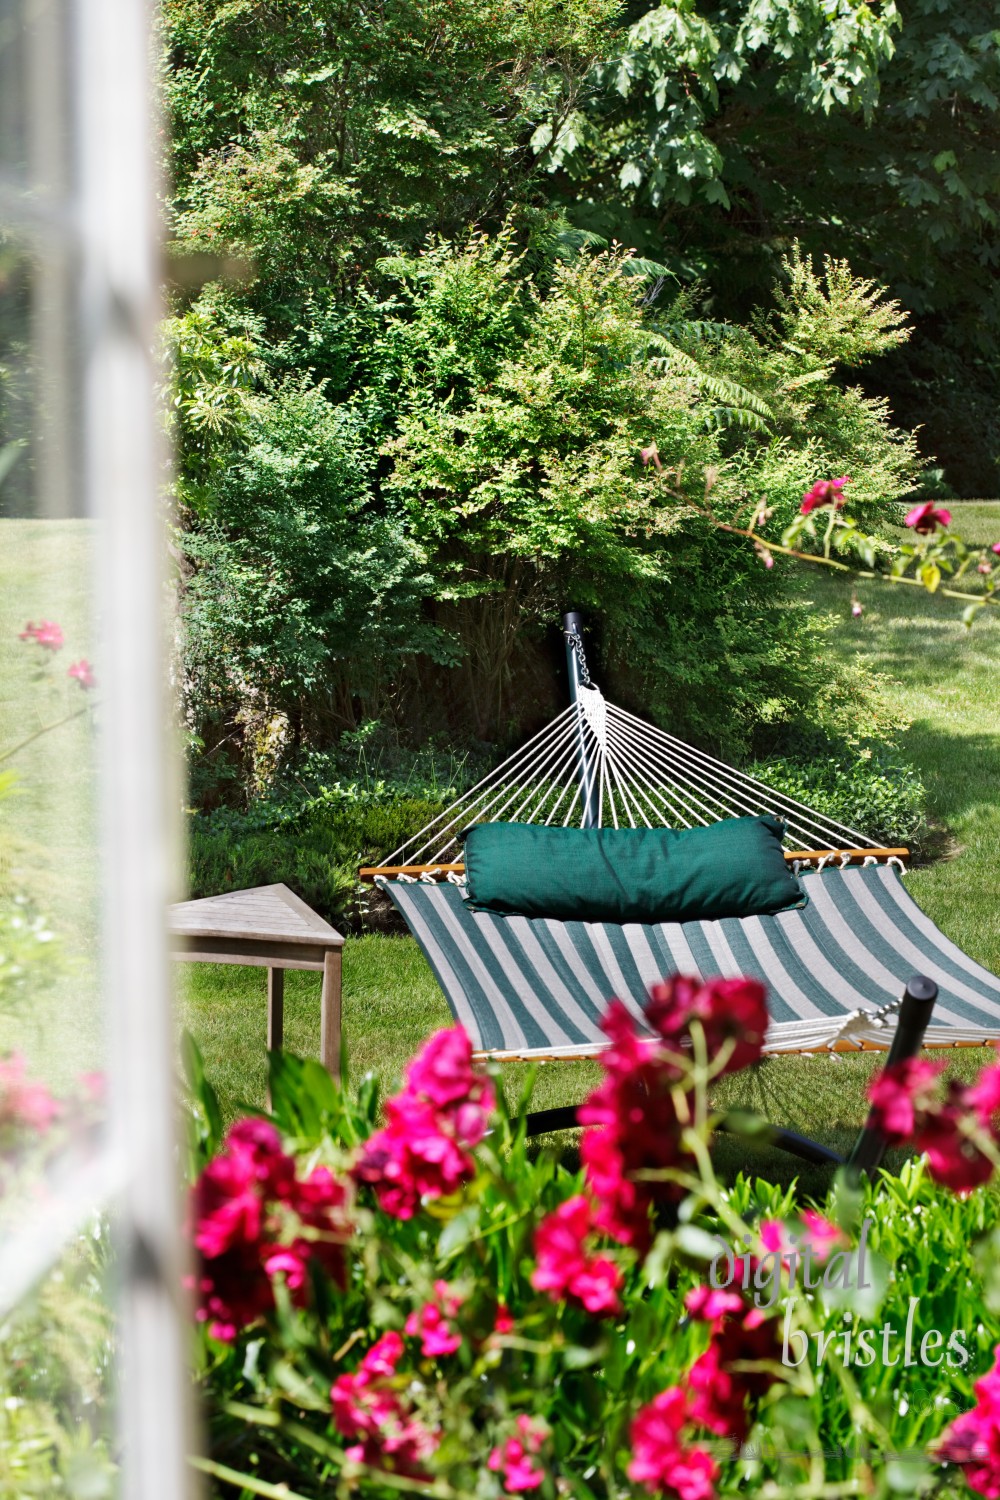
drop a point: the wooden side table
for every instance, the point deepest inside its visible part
(267, 927)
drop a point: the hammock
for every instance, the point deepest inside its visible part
(536, 988)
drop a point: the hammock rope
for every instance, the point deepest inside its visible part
(597, 755)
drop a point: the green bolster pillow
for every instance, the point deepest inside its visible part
(730, 869)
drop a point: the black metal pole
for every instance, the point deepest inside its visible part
(579, 680)
(914, 1018)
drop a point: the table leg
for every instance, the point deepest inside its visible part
(275, 1016)
(331, 1011)
(275, 1009)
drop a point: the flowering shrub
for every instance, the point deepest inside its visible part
(418, 1301)
(937, 554)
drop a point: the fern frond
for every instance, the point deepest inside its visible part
(719, 388)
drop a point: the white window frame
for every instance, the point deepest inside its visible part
(106, 231)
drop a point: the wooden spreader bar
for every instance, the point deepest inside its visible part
(368, 872)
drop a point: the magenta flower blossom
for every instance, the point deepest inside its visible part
(732, 1012)
(908, 1107)
(823, 1236)
(563, 1266)
(857, 608)
(431, 1127)
(503, 1322)
(47, 634)
(253, 1220)
(996, 548)
(432, 1324)
(824, 492)
(973, 1439)
(514, 1461)
(367, 1406)
(633, 1109)
(83, 672)
(722, 1382)
(984, 1095)
(710, 1304)
(926, 518)
(899, 1093)
(661, 1460)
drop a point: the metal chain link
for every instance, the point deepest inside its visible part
(576, 641)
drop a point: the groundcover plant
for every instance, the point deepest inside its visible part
(412, 1300)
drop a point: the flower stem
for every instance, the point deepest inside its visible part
(45, 729)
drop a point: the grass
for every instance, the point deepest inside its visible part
(944, 679)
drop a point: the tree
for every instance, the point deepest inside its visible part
(314, 138)
(719, 132)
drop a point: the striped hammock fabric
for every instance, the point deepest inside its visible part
(835, 970)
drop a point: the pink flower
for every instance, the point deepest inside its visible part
(823, 1236)
(431, 1126)
(857, 609)
(952, 1158)
(633, 1108)
(563, 1267)
(514, 1460)
(899, 1093)
(83, 672)
(984, 567)
(412, 1158)
(908, 1106)
(650, 455)
(721, 1385)
(24, 1105)
(973, 1439)
(824, 492)
(996, 548)
(732, 1012)
(984, 1094)
(660, 1459)
(926, 518)
(711, 1304)
(253, 1220)
(367, 1406)
(503, 1323)
(442, 1071)
(47, 634)
(432, 1323)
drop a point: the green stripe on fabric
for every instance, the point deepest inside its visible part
(555, 999)
(518, 990)
(874, 968)
(573, 942)
(866, 909)
(984, 984)
(462, 992)
(780, 1003)
(694, 935)
(901, 899)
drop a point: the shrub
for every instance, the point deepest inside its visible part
(514, 428)
(420, 1301)
(872, 790)
(316, 846)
